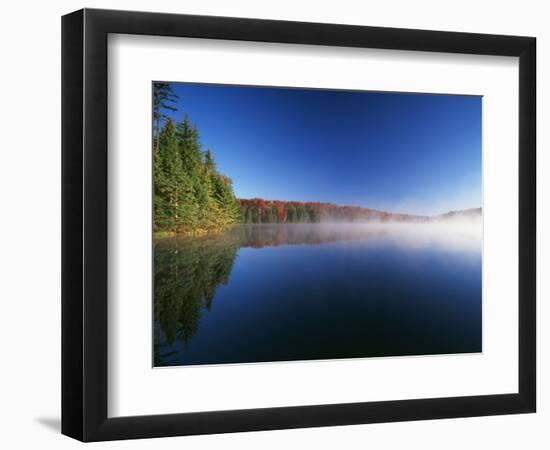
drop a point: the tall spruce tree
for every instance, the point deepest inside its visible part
(172, 186)
(191, 157)
(164, 98)
(229, 206)
(222, 191)
(210, 210)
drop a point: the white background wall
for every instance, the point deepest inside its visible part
(30, 225)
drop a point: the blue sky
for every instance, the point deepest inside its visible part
(412, 153)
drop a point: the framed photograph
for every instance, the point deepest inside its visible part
(273, 224)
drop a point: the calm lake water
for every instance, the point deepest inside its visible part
(262, 293)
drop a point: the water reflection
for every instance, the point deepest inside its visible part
(189, 272)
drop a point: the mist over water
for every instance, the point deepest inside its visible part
(456, 234)
(283, 292)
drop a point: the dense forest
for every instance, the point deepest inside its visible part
(258, 210)
(191, 195)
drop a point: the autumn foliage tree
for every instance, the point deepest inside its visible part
(258, 210)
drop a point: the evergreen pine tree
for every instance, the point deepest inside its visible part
(172, 186)
(164, 98)
(190, 153)
(228, 207)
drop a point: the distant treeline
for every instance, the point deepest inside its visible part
(258, 210)
(190, 194)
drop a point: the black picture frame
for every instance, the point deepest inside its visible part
(85, 235)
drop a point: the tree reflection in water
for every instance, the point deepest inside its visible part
(189, 270)
(187, 273)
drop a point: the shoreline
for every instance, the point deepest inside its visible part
(197, 232)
